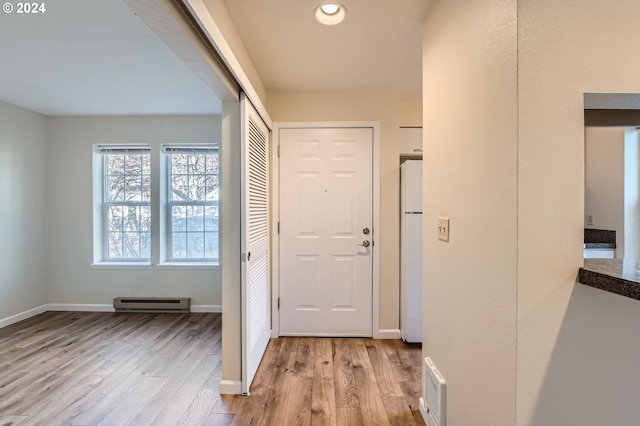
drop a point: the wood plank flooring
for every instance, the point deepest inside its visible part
(71, 368)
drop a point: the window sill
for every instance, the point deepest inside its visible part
(188, 265)
(122, 265)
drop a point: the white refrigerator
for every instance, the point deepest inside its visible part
(411, 251)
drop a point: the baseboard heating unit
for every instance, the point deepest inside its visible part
(152, 304)
(433, 400)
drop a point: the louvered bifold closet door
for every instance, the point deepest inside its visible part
(256, 257)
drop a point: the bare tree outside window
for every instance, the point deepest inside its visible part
(127, 205)
(188, 203)
(193, 204)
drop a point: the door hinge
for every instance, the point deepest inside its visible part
(278, 227)
(278, 303)
(278, 151)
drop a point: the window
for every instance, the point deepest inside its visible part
(126, 203)
(191, 203)
(129, 193)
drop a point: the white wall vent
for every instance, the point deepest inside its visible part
(433, 400)
(152, 304)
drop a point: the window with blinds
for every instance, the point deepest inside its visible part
(191, 203)
(181, 190)
(126, 202)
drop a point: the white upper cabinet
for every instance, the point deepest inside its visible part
(410, 141)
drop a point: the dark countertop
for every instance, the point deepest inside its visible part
(620, 276)
(599, 236)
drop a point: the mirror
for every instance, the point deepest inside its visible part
(612, 176)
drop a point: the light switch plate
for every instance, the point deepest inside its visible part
(443, 228)
(591, 219)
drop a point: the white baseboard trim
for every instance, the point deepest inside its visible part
(215, 309)
(388, 334)
(423, 410)
(4, 322)
(80, 307)
(230, 387)
(85, 307)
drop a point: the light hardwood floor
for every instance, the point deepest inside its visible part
(70, 368)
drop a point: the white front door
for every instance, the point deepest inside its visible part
(326, 231)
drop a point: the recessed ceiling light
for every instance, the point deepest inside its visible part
(330, 13)
(330, 8)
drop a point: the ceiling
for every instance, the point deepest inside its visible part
(97, 58)
(94, 58)
(377, 47)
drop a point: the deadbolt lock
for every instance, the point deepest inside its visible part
(365, 231)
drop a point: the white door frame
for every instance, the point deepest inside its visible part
(275, 191)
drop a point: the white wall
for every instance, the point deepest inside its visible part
(71, 278)
(470, 176)
(632, 193)
(577, 346)
(23, 211)
(605, 180)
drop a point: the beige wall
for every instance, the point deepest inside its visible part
(577, 346)
(410, 113)
(575, 350)
(230, 178)
(470, 175)
(391, 113)
(339, 106)
(220, 15)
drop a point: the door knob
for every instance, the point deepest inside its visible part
(365, 231)
(365, 243)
